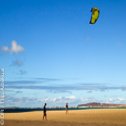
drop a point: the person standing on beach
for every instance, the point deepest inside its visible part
(44, 112)
(66, 108)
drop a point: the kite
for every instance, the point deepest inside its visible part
(95, 15)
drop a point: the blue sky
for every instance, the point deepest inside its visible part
(52, 54)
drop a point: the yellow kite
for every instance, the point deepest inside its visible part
(95, 15)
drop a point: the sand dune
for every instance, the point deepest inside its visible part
(114, 117)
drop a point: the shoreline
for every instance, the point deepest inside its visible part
(18, 110)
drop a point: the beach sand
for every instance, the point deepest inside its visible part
(96, 117)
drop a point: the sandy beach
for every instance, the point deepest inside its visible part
(110, 117)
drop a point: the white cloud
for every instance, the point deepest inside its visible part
(119, 100)
(71, 98)
(15, 48)
(59, 99)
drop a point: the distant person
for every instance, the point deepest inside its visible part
(44, 112)
(66, 108)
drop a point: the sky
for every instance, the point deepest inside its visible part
(50, 53)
